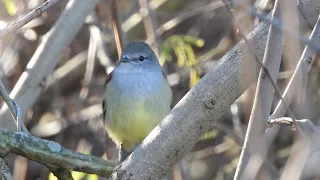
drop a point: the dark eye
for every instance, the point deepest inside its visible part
(141, 58)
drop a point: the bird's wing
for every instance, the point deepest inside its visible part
(165, 76)
(104, 103)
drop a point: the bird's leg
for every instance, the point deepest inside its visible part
(123, 153)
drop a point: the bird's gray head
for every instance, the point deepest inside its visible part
(139, 55)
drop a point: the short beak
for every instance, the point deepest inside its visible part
(124, 60)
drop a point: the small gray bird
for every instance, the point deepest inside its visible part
(137, 96)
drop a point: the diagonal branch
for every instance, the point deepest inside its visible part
(27, 18)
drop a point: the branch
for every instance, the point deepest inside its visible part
(115, 26)
(204, 104)
(14, 109)
(47, 55)
(27, 18)
(51, 154)
(149, 21)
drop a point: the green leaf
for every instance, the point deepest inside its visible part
(10, 6)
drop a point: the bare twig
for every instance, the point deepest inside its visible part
(47, 55)
(275, 23)
(299, 75)
(149, 21)
(282, 120)
(136, 18)
(27, 18)
(92, 53)
(51, 154)
(180, 18)
(256, 58)
(14, 109)
(115, 26)
(72, 68)
(263, 100)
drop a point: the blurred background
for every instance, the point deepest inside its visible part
(189, 37)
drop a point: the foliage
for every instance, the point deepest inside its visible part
(181, 45)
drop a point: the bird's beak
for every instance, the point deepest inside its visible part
(124, 59)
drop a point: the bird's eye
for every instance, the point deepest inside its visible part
(141, 58)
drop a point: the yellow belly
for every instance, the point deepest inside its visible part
(130, 127)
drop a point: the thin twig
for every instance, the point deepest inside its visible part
(115, 26)
(262, 103)
(282, 120)
(186, 15)
(92, 53)
(300, 73)
(275, 23)
(27, 18)
(265, 69)
(14, 109)
(149, 21)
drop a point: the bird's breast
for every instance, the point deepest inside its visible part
(136, 103)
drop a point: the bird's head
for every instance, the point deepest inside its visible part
(138, 55)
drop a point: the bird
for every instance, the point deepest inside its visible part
(137, 96)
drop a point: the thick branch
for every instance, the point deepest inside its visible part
(51, 154)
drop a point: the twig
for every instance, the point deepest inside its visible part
(115, 26)
(51, 154)
(180, 18)
(136, 18)
(27, 18)
(275, 23)
(14, 109)
(282, 120)
(92, 53)
(300, 73)
(149, 21)
(263, 100)
(47, 55)
(256, 58)
(74, 67)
